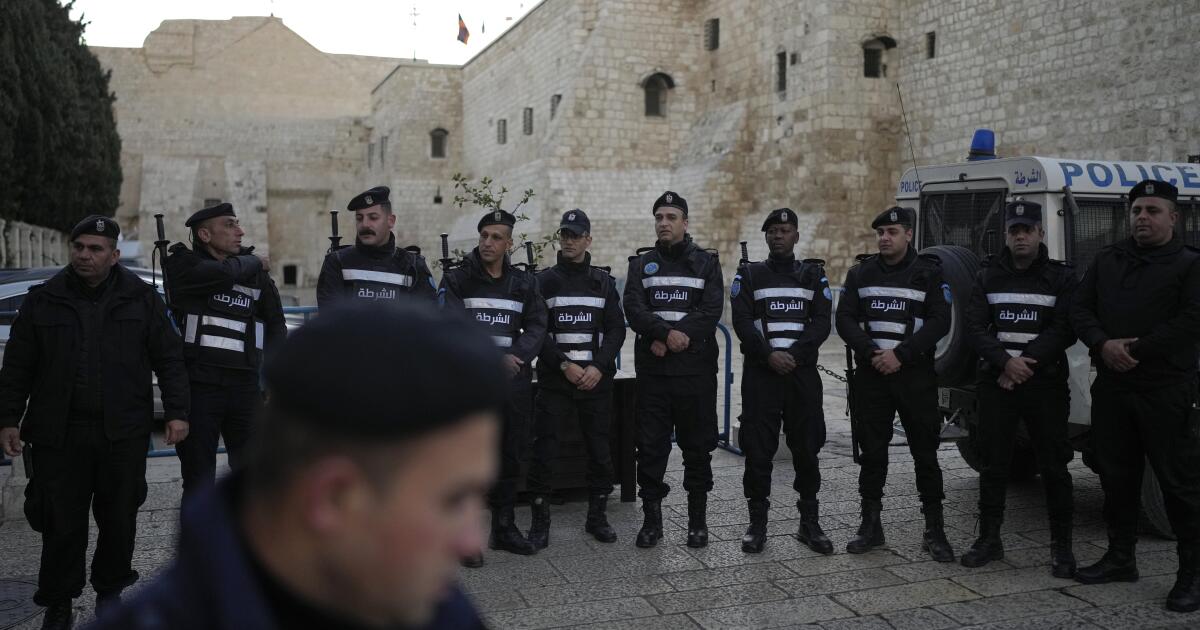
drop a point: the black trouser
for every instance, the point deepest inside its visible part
(687, 405)
(514, 442)
(227, 410)
(911, 392)
(1131, 426)
(87, 471)
(1045, 411)
(770, 399)
(552, 408)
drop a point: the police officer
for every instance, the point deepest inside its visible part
(504, 300)
(892, 312)
(373, 268)
(352, 510)
(584, 334)
(1018, 323)
(1138, 310)
(674, 295)
(781, 313)
(229, 312)
(80, 354)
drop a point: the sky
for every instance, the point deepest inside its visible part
(382, 28)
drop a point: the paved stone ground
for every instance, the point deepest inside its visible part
(580, 582)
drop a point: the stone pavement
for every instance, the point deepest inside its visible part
(578, 582)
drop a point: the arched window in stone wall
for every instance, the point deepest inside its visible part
(656, 87)
(875, 56)
(437, 143)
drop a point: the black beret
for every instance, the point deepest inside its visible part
(496, 217)
(895, 216)
(96, 225)
(576, 221)
(1153, 188)
(388, 372)
(219, 210)
(781, 215)
(672, 200)
(373, 197)
(1026, 212)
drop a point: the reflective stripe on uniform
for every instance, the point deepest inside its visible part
(908, 294)
(781, 326)
(1032, 299)
(503, 305)
(889, 327)
(190, 327)
(673, 281)
(258, 335)
(782, 343)
(761, 294)
(231, 324)
(575, 300)
(1016, 337)
(886, 344)
(671, 316)
(254, 293)
(382, 277)
(573, 337)
(1012, 353)
(579, 355)
(503, 342)
(222, 343)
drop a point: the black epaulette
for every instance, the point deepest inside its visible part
(814, 261)
(644, 250)
(712, 252)
(862, 258)
(607, 270)
(1063, 263)
(413, 249)
(178, 247)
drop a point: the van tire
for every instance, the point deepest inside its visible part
(954, 360)
(1154, 512)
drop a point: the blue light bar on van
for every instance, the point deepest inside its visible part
(983, 146)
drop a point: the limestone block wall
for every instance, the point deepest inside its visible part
(25, 245)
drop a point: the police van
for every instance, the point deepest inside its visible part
(960, 210)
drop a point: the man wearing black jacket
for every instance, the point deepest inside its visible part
(674, 295)
(80, 354)
(505, 301)
(781, 314)
(229, 313)
(1018, 322)
(892, 313)
(584, 333)
(374, 269)
(1138, 310)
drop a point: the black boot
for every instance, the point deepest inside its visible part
(506, 536)
(597, 522)
(1062, 558)
(651, 531)
(59, 616)
(697, 519)
(473, 561)
(756, 534)
(107, 602)
(934, 540)
(1185, 595)
(1116, 565)
(870, 532)
(810, 532)
(539, 523)
(987, 547)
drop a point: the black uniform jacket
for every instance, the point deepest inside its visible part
(43, 350)
(395, 262)
(1151, 294)
(568, 279)
(1009, 306)
(700, 322)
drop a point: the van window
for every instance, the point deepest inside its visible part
(973, 219)
(1103, 221)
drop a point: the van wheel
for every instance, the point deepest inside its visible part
(968, 447)
(953, 359)
(1154, 514)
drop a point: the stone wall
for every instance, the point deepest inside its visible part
(25, 245)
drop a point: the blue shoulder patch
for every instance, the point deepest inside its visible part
(432, 283)
(441, 296)
(736, 287)
(828, 294)
(650, 268)
(947, 294)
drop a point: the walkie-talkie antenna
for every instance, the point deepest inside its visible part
(908, 132)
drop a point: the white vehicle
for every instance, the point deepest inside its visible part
(960, 210)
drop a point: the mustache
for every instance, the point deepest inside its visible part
(366, 232)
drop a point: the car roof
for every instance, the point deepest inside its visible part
(18, 281)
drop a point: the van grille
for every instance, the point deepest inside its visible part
(1102, 222)
(973, 219)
